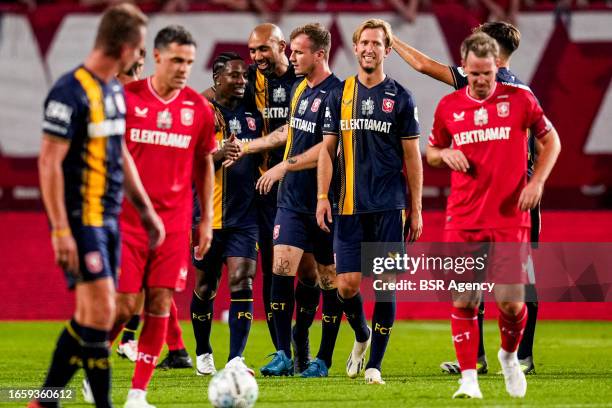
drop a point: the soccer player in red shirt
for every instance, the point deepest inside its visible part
(170, 133)
(479, 132)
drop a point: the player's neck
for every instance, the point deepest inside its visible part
(162, 90)
(101, 65)
(370, 80)
(319, 74)
(282, 66)
(227, 101)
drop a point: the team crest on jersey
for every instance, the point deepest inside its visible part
(303, 106)
(164, 119)
(251, 124)
(279, 95)
(387, 105)
(503, 109)
(187, 116)
(481, 117)
(235, 127)
(315, 105)
(367, 107)
(93, 262)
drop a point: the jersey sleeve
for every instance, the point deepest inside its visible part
(459, 76)
(206, 138)
(331, 120)
(408, 119)
(61, 110)
(537, 121)
(440, 136)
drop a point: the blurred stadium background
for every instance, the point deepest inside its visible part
(565, 56)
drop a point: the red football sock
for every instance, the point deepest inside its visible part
(511, 329)
(464, 326)
(174, 338)
(150, 345)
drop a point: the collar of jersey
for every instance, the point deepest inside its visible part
(152, 90)
(467, 93)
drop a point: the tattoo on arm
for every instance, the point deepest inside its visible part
(292, 160)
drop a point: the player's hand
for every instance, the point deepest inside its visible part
(231, 148)
(455, 159)
(154, 226)
(267, 180)
(66, 253)
(415, 222)
(229, 162)
(324, 214)
(531, 195)
(204, 239)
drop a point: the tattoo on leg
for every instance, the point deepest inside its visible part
(281, 267)
(326, 283)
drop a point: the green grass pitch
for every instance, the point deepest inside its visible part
(573, 364)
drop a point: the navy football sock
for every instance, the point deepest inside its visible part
(526, 346)
(355, 315)
(282, 310)
(382, 323)
(66, 357)
(129, 331)
(481, 312)
(330, 325)
(95, 352)
(307, 296)
(201, 321)
(265, 250)
(240, 318)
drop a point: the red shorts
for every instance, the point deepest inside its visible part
(506, 250)
(163, 267)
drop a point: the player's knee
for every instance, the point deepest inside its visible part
(98, 314)
(241, 278)
(511, 308)
(158, 301)
(347, 292)
(327, 276)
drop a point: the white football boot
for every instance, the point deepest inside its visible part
(372, 376)
(129, 349)
(469, 387)
(205, 364)
(137, 399)
(87, 394)
(238, 362)
(516, 383)
(356, 360)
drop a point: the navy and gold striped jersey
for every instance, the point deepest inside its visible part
(90, 114)
(298, 189)
(370, 124)
(234, 192)
(270, 96)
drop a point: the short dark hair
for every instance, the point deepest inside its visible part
(481, 44)
(120, 25)
(319, 36)
(222, 59)
(173, 34)
(507, 36)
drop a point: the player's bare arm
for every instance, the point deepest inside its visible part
(324, 176)
(414, 173)
(549, 147)
(447, 157)
(205, 184)
(272, 140)
(303, 161)
(52, 153)
(230, 151)
(135, 192)
(423, 63)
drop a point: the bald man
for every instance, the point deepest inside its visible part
(271, 78)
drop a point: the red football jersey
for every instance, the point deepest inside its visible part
(492, 133)
(164, 138)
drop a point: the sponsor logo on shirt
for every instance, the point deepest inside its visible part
(275, 113)
(481, 117)
(279, 95)
(160, 138)
(482, 135)
(58, 111)
(140, 112)
(303, 125)
(458, 117)
(365, 124)
(164, 119)
(367, 107)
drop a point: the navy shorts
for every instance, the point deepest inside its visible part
(266, 213)
(301, 231)
(229, 242)
(351, 230)
(99, 251)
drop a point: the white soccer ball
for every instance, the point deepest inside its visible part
(233, 388)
